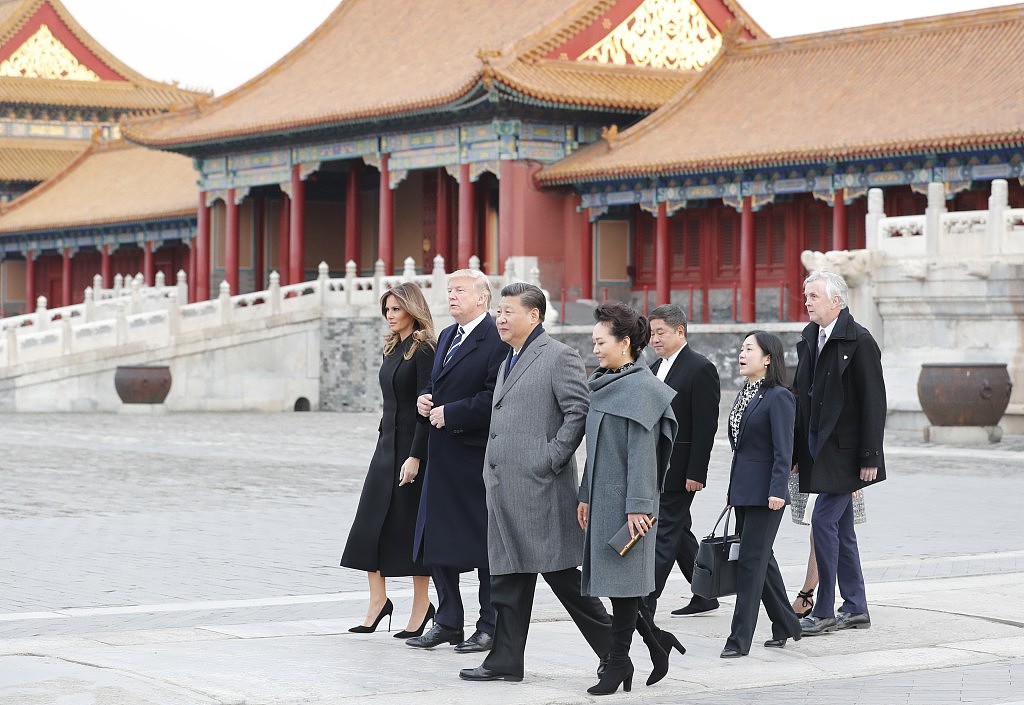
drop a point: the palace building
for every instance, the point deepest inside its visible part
(60, 91)
(650, 150)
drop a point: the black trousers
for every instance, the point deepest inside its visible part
(675, 544)
(450, 611)
(759, 580)
(512, 597)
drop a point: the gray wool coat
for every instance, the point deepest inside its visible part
(537, 420)
(630, 432)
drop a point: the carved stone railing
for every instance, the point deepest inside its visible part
(139, 317)
(939, 234)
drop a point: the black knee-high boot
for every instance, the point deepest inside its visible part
(619, 669)
(649, 633)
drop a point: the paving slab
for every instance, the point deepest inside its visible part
(192, 558)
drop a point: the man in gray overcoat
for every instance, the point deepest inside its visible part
(538, 414)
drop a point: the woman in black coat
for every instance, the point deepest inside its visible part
(761, 434)
(380, 541)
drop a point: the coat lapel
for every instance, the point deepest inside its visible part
(748, 412)
(531, 354)
(470, 343)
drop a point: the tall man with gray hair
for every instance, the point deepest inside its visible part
(840, 423)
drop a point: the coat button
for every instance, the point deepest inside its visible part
(497, 406)
(493, 466)
(494, 435)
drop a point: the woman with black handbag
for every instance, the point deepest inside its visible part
(761, 434)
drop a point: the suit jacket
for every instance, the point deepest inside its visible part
(841, 397)
(537, 422)
(698, 395)
(451, 525)
(763, 450)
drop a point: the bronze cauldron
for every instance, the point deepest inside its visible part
(964, 393)
(142, 384)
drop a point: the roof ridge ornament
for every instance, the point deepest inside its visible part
(610, 134)
(485, 56)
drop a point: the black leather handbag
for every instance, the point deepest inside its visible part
(714, 570)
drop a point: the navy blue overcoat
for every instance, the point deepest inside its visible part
(451, 526)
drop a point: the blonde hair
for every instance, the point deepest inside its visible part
(410, 299)
(480, 282)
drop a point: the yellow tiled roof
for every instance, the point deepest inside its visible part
(379, 58)
(106, 185)
(940, 83)
(23, 159)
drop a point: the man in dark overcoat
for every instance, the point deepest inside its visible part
(451, 525)
(695, 405)
(841, 410)
(537, 421)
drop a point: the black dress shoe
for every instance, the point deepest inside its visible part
(812, 626)
(729, 653)
(696, 606)
(485, 674)
(775, 643)
(480, 641)
(853, 621)
(437, 635)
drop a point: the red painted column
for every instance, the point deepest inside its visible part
(467, 218)
(353, 232)
(839, 220)
(259, 207)
(662, 257)
(105, 266)
(231, 243)
(510, 238)
(297, 239)
(747, 285)
(202, 270)
(30, 282)
(191, 273)
(283, 238)
(586, 237)
(386, 233)
(65, 278)
(148, 268)
(444, 218)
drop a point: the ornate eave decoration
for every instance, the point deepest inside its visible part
(44, 56)
(673, 34)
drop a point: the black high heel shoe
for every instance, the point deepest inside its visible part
(406, 634)
(615, 673)
(807, 596)
(385, 611)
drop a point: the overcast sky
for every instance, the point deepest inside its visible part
(220, 44)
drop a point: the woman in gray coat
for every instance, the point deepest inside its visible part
(630, 430)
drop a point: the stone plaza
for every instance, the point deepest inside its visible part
(192, 559)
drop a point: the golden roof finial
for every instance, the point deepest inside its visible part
(485, 56)
(610, 135)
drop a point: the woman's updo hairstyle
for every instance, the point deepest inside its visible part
(624, 320)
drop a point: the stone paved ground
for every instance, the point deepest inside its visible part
(156, 534)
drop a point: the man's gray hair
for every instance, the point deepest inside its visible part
(530, 296)
(480, 281)
(672, 315)
(835, 285)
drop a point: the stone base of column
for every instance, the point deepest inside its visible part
(963, 435)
